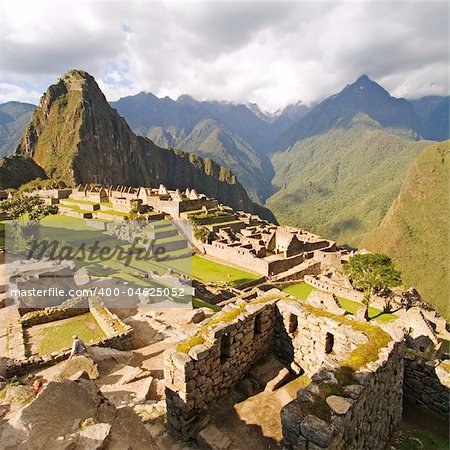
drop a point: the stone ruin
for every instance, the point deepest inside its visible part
(117, 334)
(353, 401)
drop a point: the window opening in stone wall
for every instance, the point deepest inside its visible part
(258, 318)
(225, 344)
(329, 343)
(293, 323)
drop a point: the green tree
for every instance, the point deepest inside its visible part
(27, 206)
(370, 273)
(201, 233)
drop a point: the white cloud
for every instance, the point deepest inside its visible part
(10, 92)
(271, 53)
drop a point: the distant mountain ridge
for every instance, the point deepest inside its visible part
(239, 142)
(75, 136)
(341, 183)
(362, 96)
(14, 117)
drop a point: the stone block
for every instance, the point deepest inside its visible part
(199, 352)
(339, 405)
(317, 431)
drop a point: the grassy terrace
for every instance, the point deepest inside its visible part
(112, 212)
(57, 336)
(207, 270)
(198, 303)
(302, 291)
(82, 202)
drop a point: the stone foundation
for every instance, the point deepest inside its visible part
(118, 335)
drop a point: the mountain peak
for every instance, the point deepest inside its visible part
(362, 83)
(363, 79)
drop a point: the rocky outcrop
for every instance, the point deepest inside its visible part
(74, 414)
(76, 136)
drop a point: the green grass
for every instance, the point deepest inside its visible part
(422, 440)
(58, 337)
(112, 212)
(82, 202)
(76, 208)
(207, 270)
(198, 303)
(302, 291)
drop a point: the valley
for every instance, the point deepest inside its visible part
(335, 168)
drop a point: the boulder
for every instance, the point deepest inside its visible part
(100, 354)
(195, 316)
(74, 414)
(81, 277)
(131, 374)
(93, 437)
(76, 364)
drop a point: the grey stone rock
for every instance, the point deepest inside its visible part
(281, 379)
(317, 430)
(338, 405)
(353, 390)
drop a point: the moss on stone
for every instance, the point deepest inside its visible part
(185, 346)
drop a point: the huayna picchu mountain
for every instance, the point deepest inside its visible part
(75, 136)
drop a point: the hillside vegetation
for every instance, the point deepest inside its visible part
(415, 231)
(17, 170)
(342, 183)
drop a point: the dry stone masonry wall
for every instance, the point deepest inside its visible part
(341, 408)
(205, 369)
(305, 340)
(339, 413)
(117, 334)
(427, 382)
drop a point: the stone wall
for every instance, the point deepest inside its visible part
(118, 334)
(427, 382)
(206, 368)
(305, 340)
(70, 308)
(308, 267)
(71, 213)
(241, 257)
(15, 342)
(334, 289)
(356, 411)
(354, 404)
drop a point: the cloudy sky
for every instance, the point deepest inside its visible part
(271, 53)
